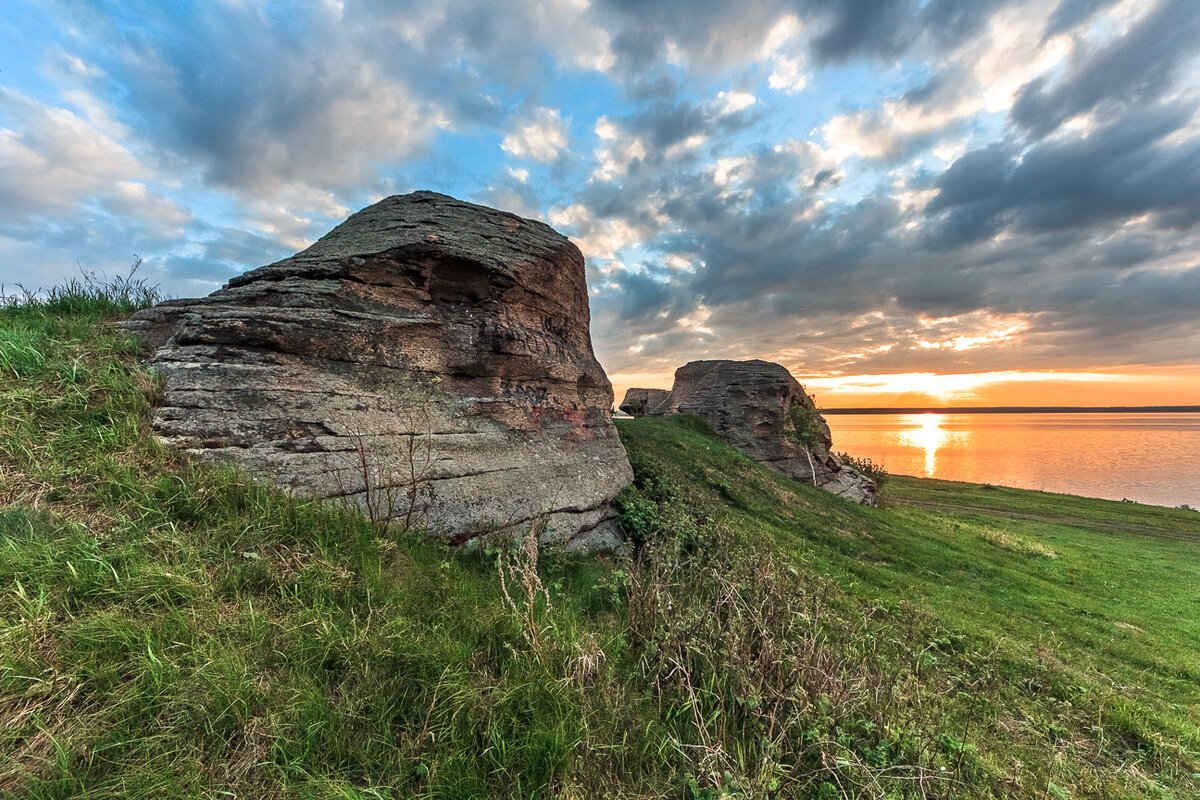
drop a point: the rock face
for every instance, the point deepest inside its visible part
(759, 408)
(640, 402)
(428, 358)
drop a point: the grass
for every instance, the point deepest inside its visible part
(1074, 619)
(175, 630)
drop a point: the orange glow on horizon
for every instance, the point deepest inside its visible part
(1112, 386)
(1100, 387)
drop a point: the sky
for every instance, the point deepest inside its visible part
(905, 202)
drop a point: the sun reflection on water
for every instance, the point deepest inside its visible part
(926, 432)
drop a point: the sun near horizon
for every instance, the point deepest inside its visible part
(1100, 387)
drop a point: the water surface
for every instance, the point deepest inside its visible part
(1150, 458)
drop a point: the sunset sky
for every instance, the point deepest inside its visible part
(905, 202)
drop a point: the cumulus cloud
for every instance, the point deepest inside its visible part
(51, 158)
(735, 101)
(714, 35)
(787, 74)
(980, 75)
(602, 238)
(1119, 171)
(259, 112)
(1132, 69)
(541, 138)
(617, 151)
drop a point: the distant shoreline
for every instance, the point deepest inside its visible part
(1021, 410)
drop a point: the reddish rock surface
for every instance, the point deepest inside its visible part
(759, 408)
(446, 342)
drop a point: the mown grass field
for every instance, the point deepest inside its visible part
(172, 630)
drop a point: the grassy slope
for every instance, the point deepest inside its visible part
(1087, 608)
(173, 631)
(1089, 604)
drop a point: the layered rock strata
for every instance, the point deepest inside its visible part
(640, 402)
(759, 408)
(428, 358)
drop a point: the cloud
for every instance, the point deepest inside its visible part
(879, 27)
(787, 74)
(1069, 14)
(1120, 171)
(293, 217)
(734, 101)
(1133, 69)
(599, 238)
(259, 101)
(898, 129)
(975, 76)
(542, 138)
(51, 159)
(712, 35)
(617, 151)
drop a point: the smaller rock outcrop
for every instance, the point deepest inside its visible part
(640, 402)
(759, 408)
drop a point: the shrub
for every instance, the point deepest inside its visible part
(866, 466)
(806, 422)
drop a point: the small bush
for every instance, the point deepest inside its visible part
(806, 422)
(866, 466)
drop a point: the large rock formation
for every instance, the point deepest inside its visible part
(640, 402)
(763, 411)
(428, 358)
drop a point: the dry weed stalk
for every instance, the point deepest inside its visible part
(394, 490)
(521, 568)
(585, 666)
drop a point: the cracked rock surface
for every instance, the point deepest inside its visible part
(639, 402)
(750, 405)
(427, 357)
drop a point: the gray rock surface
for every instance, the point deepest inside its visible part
(759, 408)
(640, 402)
(426, 349)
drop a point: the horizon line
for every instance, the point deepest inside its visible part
(1169, 409)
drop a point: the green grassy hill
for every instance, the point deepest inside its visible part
(169, 630)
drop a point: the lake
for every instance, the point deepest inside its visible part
(1150, 458)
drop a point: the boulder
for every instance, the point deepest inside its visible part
(428, 359)
(759, 408)
(640, 402)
